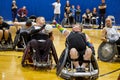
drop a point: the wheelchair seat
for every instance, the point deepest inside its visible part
(66, 70)
(107, 51)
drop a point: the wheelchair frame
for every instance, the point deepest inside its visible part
(16, 41)
(66, 70)
(28, 60)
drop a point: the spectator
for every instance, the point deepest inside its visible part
(67, 6)
(14, 10)
(94, 16)
(78, 11)
(87, 17)
(73, 10)
(57, 10)
(102, 11)
(68, 17)
(4, 32)
(22, 14)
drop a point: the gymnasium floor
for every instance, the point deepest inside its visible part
(11, 69)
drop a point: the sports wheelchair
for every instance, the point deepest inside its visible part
(66, 70)
(9, 45)
(108, 51)
(29, 57)
(19, 41)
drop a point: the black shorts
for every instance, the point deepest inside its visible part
(80, 56)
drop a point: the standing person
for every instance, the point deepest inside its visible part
(67, 6)
(22, 14)
(102, 11)
(73, 10)
(14, 10)
(57, 10)
(78, 11)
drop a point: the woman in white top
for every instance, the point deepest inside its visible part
(57, 11)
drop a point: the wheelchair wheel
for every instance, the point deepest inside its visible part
(106, 51)
(27, 57)
(18, 42)
(61, 63)
(95, 66)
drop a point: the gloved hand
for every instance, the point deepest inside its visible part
(54, 22)
(93, 50)
(18, 31)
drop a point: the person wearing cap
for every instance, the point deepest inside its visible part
(14, 10)
(110, 33)
(77, 44)
(4, 30)
(22, 14)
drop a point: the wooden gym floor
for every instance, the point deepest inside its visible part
(11, 69)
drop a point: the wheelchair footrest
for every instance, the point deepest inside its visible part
(80, 74)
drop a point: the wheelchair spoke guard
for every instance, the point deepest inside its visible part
(106, 51)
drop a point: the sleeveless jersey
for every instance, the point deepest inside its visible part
(76, 40)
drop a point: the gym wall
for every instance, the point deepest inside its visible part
(45, 8)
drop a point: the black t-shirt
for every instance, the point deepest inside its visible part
(102, 11)
(13, 9)
(76, 40)
(4, 25)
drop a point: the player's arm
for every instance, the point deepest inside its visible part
(103, 36)
(62, 30)
(89, 44)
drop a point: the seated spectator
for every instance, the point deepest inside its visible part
(94, 16)
(86, 17)
(4, 30)
(68, 17)
(22, 14)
